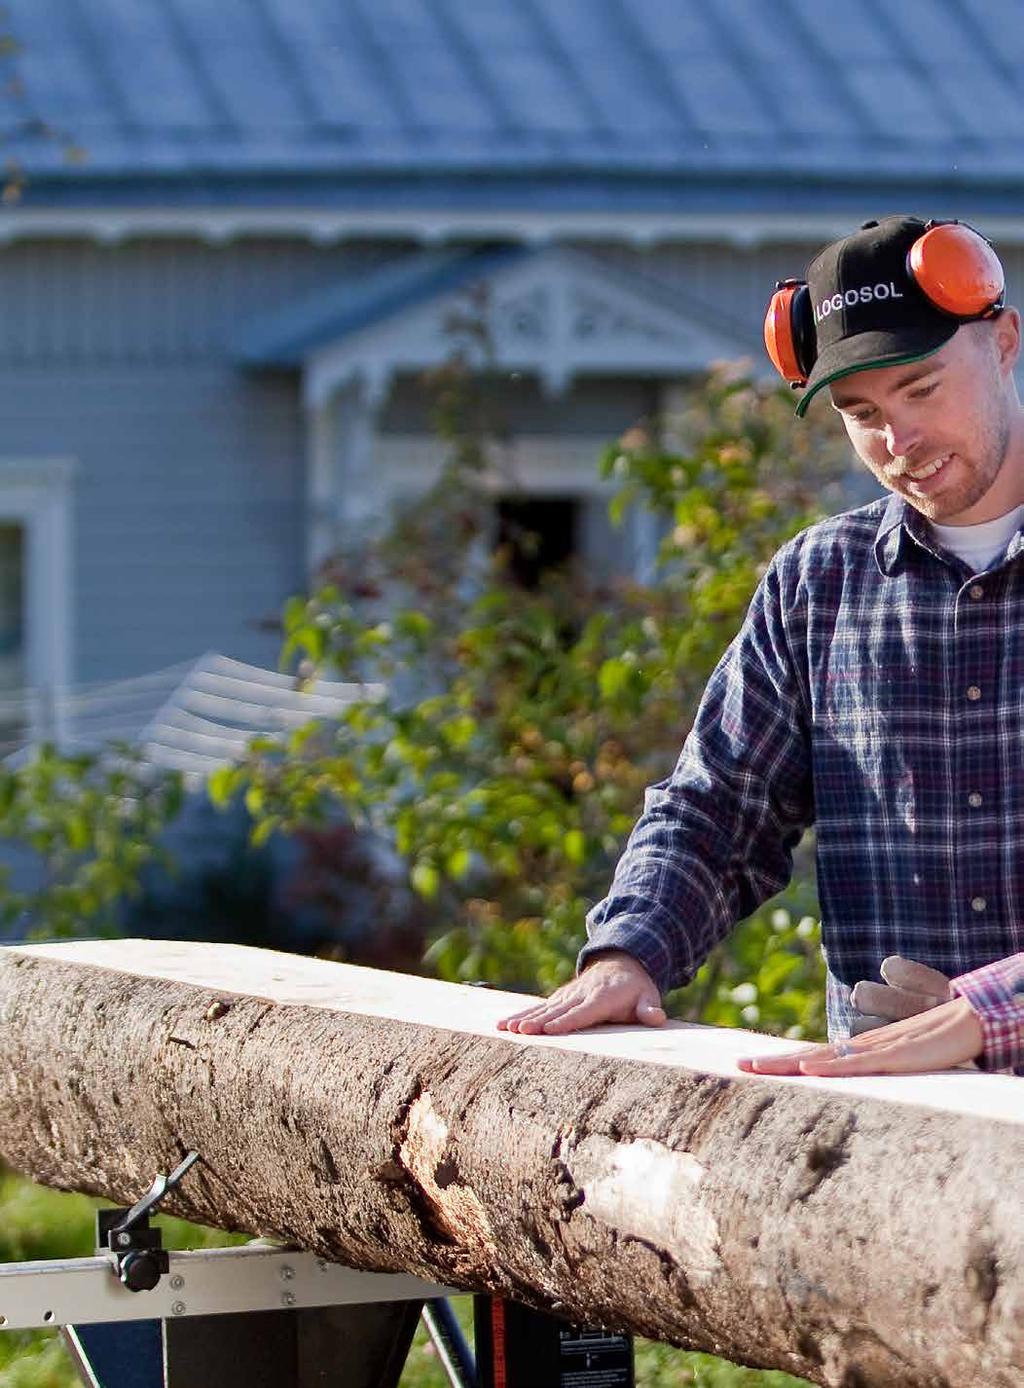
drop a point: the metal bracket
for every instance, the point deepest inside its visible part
(201, 1282)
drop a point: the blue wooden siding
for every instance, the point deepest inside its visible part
(187, 506)
(189, 495)
(189, 499)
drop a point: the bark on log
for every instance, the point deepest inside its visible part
(855, 1232)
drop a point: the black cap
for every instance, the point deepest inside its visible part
(867, 310)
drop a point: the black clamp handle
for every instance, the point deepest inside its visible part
(138, 1254)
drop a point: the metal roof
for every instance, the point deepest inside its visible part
(578, 103)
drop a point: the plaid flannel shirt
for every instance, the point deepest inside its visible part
(996, 993)
(876, 690)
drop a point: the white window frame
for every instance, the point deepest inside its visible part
(36, 493)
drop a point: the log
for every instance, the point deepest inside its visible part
(854, 1232)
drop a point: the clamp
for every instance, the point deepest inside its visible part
(136, 1251)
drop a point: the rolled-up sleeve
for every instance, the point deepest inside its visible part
(995, 993)
(716, 838)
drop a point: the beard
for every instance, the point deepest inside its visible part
(975, 480)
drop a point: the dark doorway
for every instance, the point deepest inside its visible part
(537, 533)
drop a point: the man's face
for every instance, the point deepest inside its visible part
(938, 431)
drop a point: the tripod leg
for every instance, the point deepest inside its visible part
(446, 1335)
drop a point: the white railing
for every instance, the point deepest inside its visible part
(194, 716)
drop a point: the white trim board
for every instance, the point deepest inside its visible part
(436, 226)
(37, 493)
(559, 314)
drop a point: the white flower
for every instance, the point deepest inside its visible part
(750, 1014)
(806, 927)
(781, 919)
(744, 992)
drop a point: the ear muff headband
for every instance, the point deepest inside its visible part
(954, 266)
(789, 331)
(957, 270)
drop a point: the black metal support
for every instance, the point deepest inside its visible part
(362, 1346)
(120, 1354)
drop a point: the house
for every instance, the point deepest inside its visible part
(241, 226)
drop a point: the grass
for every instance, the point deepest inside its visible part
(38, 1223)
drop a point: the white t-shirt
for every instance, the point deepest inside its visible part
(979, 545)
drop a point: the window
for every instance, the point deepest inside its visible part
(539, 533)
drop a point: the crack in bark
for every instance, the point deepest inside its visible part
(254, 1024)
(450, 1214)
(329, 1165)
(671, 1270)
(825, 1155)
(756, 1114)
(808, 1346)
(566, 1196)
(711, 1097)
(981, 1278)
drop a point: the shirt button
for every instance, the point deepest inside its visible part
(976, 591)
(974, 799)
(978, 903)
(973, 693)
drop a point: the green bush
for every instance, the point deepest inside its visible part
(93, 822)
(511, 733)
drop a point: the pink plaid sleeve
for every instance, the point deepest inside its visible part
(996, 993)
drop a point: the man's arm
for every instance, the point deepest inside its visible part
(715, 839)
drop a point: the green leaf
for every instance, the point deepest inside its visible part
(574, 845)
(79, 835)
(458, 863)
(221, 785)
(425, 879)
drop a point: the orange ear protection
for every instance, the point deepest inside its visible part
(954, 266)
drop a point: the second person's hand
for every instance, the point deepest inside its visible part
(908, 989)
(615, 987)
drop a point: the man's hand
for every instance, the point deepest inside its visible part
(615, 987)
(937, 1039)
(909, 989)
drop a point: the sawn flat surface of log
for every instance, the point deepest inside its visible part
(855, 1232)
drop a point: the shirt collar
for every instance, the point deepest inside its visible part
(900, 520)
(897, 520)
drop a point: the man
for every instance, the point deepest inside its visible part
(876, 688)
